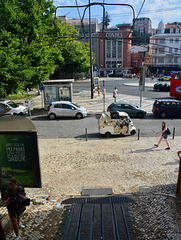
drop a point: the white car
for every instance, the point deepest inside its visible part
(15, 109)
(66, 109)
(123, 125)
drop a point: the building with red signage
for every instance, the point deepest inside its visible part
(114, 50)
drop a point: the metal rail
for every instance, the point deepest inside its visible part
(97, 221)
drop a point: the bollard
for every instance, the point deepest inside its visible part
(173, 133)
(86, 134)
(138, 134)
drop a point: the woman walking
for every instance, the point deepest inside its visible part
(15, 196)
(163, 136)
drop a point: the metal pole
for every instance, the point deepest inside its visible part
(90, 35)
(141, 95)
(173, 132)
(138, 134)
(86, 134)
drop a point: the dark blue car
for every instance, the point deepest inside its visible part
(166, 107)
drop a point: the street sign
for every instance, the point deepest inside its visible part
(41, 86)
(142, 78)
(29, 103)
(96, 82)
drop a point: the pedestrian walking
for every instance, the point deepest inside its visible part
(163, 136)
(15, 196)
(115, 93)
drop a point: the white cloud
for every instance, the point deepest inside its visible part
(156, 10)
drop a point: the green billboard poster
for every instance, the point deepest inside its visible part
(19, 158)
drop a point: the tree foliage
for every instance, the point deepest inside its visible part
(106, 20)
(76, 54)
(139, 39)
(30, 49)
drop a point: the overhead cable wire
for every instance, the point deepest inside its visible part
(134, 19)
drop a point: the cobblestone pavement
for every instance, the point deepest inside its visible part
(130, 167)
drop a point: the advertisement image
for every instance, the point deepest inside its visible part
(19, 158)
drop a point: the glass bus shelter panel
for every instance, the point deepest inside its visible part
(64, 93)
(50, 94)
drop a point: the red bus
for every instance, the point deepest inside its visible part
(175, 85)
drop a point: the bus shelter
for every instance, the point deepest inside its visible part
(57, 90)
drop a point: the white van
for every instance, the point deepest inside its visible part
(120, 126)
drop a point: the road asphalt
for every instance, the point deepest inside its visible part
(154, 199)
(99, 103)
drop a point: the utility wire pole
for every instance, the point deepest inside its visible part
(91, 69)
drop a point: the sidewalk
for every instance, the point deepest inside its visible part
(97, 105)
(128, 166)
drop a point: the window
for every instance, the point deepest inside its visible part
(161, 50)
(113, 49)
(176, 40)
(119, 49)
(101, 53)
(176, 49)
(162, 41)
(108, 49)
(169, 60)
(58, 106)
(170, 50)
(171, 40)
(67, 106)
(160, 60)
(178, 105)
(174, 104)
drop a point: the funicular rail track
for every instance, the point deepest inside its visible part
(92, 220)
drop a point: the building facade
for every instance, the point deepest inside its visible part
(111, 47)
(165, 49)
(114, 50)
(138, 54)
(143, 25)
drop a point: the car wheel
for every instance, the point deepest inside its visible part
(114, 115)
(79, 115)
(140, 115)
(163, 114)
(107, 134)
(21, 114)
(133, 132)
(52, 116)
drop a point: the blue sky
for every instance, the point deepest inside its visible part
(156, 10)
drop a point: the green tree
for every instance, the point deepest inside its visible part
(30, 47)
(76, 54)
(106, 20)
(139, 39)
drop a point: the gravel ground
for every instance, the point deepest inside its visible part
(133, 167)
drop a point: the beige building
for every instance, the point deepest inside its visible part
(165, 49)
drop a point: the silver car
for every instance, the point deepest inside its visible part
(14, 108)
(66, 109)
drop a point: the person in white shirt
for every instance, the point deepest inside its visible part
(115, 93)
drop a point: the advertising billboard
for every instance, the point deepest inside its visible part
(19, 158)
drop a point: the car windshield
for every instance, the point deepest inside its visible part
(75, 105)
(12, 104)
